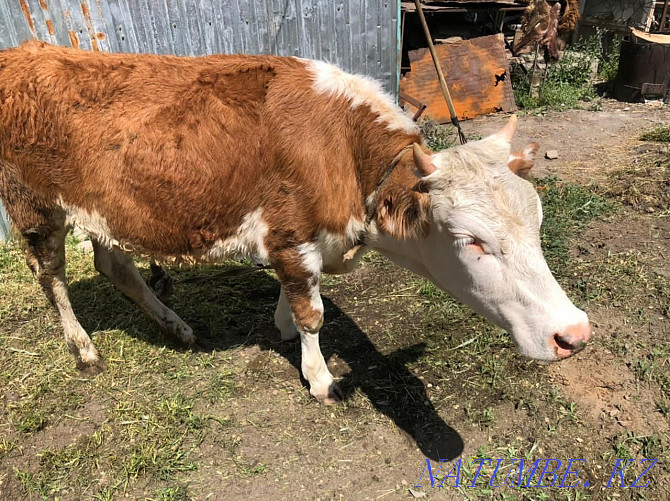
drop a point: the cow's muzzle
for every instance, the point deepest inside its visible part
(572, 340)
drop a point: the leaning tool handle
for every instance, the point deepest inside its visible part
(440, 76)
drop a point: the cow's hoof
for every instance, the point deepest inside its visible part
(180, 332)
(91, 368)
(186, 337)
(333, 396)
(161, 283)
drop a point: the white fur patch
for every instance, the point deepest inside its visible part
(248, 241)
(333, 246)
(313, 366)
(312, 261)
(90, 222)
(311, 257)
(360, 90)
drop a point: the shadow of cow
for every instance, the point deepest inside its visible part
(228, 311)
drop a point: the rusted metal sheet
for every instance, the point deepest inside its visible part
(477, 74)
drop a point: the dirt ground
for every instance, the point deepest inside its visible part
(419, 380)
(589, 144)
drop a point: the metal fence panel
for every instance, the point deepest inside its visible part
(4, 224)
(357, 35)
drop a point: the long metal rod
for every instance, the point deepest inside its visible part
(440, 75)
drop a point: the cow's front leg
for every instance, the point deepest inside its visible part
(299, 271)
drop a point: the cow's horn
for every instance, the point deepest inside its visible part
(507, 132)
(422, 161)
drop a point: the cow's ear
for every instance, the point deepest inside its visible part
(521, 162)
(404, 214)
(422, 161)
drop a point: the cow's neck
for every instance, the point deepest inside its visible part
(375, 152)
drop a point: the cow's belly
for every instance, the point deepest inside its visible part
(167, 234)
(169, 239)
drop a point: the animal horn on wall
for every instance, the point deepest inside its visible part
(547, 26)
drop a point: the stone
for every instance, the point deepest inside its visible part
(551, 154)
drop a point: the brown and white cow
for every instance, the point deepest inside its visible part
(290, 160)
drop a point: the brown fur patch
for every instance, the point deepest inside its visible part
(404, 213)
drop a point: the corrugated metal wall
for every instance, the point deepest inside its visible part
(358, 35)
(4, 224)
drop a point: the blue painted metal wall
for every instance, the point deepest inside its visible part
(4, 224)
(360, 36)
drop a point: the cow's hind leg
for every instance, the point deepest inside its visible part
(161, 283)
(46, 258)
(121, 270)
(284, 318)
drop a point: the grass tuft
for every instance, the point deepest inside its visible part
(645, 184)
(660, 134)
(437, 137)
(567, 209)
(570, 80)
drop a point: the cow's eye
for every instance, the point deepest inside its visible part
(464, 242)
(468, 242)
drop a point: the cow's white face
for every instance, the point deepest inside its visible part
(483, 247)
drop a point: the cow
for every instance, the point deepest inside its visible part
(294, 161)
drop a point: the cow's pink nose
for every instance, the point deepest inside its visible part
(572, 340)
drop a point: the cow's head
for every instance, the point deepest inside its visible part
(481, 243)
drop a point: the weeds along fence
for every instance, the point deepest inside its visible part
(358, 35)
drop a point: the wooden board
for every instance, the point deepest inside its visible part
(648, 37)
(477, 75)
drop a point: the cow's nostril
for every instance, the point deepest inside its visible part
(571, 340)
(563, 344)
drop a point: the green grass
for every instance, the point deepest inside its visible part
(570, 80)
(660, 134)
(567, 208)
(554, 95)
(152, 413)
(437, 137)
